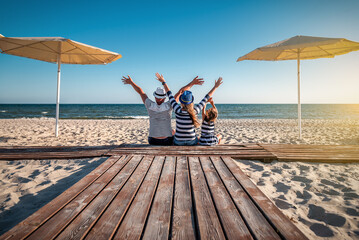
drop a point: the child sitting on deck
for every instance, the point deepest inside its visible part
(209, 116)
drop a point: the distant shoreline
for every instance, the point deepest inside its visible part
(138, 111)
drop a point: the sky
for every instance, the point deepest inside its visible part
(181, 39)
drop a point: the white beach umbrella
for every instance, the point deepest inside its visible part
(56, 50)
(302, 47)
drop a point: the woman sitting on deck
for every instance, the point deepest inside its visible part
(186, 113)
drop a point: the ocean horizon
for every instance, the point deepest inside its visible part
(137, 111)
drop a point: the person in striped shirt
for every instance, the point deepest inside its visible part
(209, 116)
(186, 113)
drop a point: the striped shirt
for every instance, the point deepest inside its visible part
(185, 130)
(207, 134)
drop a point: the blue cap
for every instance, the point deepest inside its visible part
(186, 97)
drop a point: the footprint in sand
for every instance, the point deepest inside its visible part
(352, 212)
(321, 230)
(285, 166)
(281, 187)
(277, 170)
(301, 179)
(333, 184)
(318, 213)
(34, 174)
(350, 195)
(305, 196)
(282, 204)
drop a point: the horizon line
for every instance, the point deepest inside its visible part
(142, 103)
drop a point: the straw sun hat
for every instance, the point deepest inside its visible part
(159, 93)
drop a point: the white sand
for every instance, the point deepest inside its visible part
(27, 185)
(40, 132)
(322, 199)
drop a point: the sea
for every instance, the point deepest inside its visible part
(138, 111)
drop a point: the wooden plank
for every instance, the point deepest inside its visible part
(256, 222)
(278, 220)
(209, 226)
(134, 222)
(321, 160)
(19, 149)
(232, 222)
(62, 218)
(53, 155)
(158, 223)
(107, 221)
(83, 220)
(202, 152)
(306, 146)
(185, 147)
(320, 155)
(31, 223)
(183, 223)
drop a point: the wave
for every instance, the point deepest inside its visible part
(3, 111)
(134, 117)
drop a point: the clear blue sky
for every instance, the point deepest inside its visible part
(181, 39)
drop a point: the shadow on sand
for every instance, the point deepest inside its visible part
(28, 204)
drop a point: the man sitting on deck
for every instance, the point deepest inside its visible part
(160, 112)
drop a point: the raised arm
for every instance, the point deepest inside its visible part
(176, 107)
(212, 103)
(195, 81)
(216, 85)
(162, 80)
(204, 111)
(128, 80)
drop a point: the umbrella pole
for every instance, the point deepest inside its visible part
(299, 106)
(58, 94)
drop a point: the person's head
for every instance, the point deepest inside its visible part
(160, 95)
(186, 100)
(211, 115)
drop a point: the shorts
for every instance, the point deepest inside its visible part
(186, 143)
(162, 142)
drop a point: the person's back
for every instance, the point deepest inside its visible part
(160, 118)
(185, 123)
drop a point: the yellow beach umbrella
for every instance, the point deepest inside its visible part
(56, 50)
(302, 47)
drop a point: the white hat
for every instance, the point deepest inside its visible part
(159, 93)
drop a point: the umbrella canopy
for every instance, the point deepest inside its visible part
(302, 47)
(56, 50)
(308, 48)
(49, 49)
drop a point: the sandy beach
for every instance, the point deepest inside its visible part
(321, 199)
(41, 132)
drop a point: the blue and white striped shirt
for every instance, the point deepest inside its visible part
(185, 130)
(207, 134)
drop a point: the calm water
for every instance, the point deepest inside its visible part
(229, 111)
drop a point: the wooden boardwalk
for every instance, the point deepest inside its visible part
(314, 153)
(144, 196)
(262, 152)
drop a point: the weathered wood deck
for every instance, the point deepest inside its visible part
(195, 196)
(262, 152)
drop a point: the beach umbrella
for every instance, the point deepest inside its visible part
(56, 50)
(302, 47)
